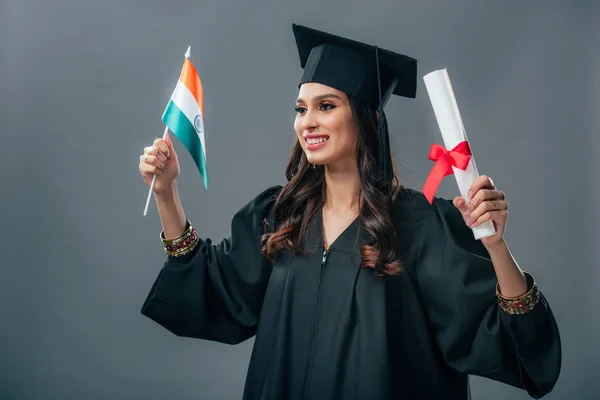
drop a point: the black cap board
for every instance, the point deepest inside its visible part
(351, 66)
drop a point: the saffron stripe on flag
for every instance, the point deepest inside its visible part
(180, 124)
(190, 78)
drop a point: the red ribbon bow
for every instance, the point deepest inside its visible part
(458, 157)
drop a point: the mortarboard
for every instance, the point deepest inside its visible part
(363, 71)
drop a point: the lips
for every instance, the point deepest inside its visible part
(315, 142)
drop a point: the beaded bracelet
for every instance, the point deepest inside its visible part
(182, 244)
(522, 304)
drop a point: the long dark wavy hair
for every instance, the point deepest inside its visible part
(305, 192)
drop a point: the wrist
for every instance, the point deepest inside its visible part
(170, 211)
(510, 277)
(496, 248)
(168, 195)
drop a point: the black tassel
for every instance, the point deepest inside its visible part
(386, 171)
(385, 158)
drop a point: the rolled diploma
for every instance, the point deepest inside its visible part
(453, 132)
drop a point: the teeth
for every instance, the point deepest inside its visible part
(316, 140)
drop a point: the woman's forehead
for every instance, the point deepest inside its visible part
(311, 91)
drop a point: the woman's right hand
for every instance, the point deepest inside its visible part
(159, 159)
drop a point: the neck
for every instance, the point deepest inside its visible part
(343, 187)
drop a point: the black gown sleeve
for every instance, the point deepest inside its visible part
(475, 335)
(216, 291)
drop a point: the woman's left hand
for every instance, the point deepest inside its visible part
(487, 204)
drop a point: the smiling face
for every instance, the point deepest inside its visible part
(324, 124)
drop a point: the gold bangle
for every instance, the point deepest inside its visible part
(522, 304)
(182, 244)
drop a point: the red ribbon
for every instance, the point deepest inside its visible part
(458, 157)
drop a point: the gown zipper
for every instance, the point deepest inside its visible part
(312, 330)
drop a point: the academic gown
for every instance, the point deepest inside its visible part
(327, 328)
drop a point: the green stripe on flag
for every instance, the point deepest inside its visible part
(178, 123)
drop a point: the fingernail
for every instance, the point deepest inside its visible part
(468, 222)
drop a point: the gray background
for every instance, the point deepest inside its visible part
(82, 89)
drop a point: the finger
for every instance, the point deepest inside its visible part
(169, 142)
(161, 155)
(148, 169)
(152, 160)
(155, 150)
(498, 216)
(482, 182)
(162, 146)
(490, 207)
(459, 203)
(484, 195)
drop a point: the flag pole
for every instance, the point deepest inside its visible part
(187, 55)
(153, 178)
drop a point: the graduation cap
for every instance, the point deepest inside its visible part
(363, 71)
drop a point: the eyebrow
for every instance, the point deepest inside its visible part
(321, 97)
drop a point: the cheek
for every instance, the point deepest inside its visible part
(298, 126)
(350, 140)
(347, 134)
(298, 130)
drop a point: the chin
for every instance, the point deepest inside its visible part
(317, 160)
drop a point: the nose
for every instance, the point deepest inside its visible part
(309, 121)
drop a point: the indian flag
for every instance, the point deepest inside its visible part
(184, 115)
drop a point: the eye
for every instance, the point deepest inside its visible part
(299, 109)
(327, 106)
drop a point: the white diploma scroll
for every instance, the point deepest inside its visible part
(453, 132)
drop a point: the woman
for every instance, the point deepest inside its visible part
(355, 287)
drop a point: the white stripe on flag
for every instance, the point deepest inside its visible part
(186, 102)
